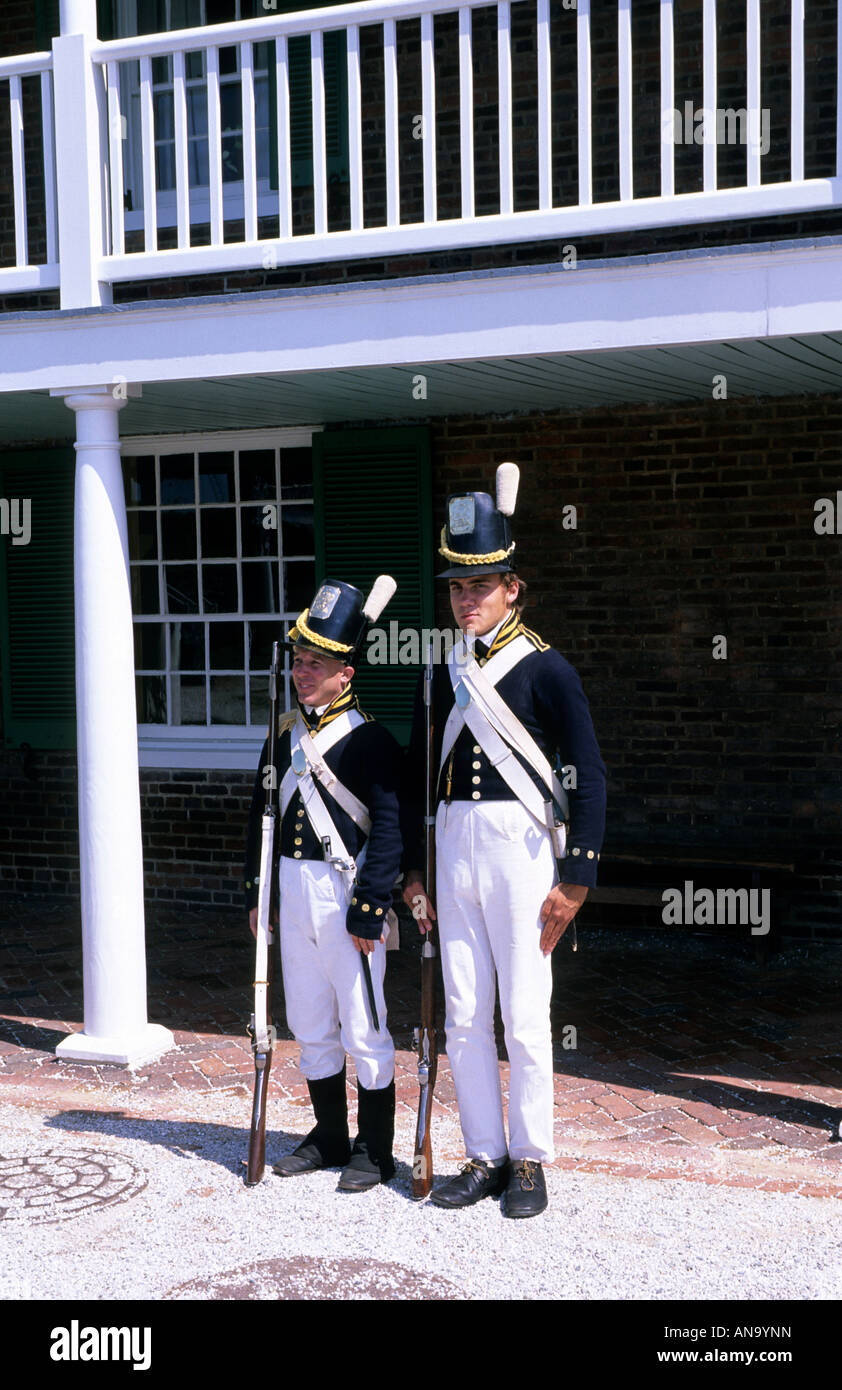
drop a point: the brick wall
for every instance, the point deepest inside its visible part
(692, 521)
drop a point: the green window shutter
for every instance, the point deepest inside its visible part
(301, 103)
(373, 509)
(37, 656)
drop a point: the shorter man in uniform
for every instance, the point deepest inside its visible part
(504, 707)
(338, 774)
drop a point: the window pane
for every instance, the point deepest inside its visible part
(176, 479)
(197, 111)
(228, 700)
(151, 700)
(145, 595)
(182, 589)
(219, 587)
(149, 646)
(227, 652)
(259, 694)
(296, 473)
(178, 535)
(261, 637)
(187, 646)
(139, 479)
(162, 104)
(297, 535)
(257, 475)
(143, 535)
(260, 587)
(258, 538)
(299, 585)
(189, 705)
(216, 477)
(219, 533)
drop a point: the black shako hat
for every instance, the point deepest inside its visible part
(477, 538)
(337, 620)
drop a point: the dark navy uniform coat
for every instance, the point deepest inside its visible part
(545, 693)
(367, 761)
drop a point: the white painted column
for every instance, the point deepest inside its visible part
(81, 158)
(111, 859)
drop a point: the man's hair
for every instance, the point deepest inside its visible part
(512, 578)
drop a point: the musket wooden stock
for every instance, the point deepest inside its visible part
(260, 1028)
(425, 1035)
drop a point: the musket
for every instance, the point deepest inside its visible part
(425, 1035)
(260, 1027)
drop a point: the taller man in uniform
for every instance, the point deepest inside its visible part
(505, 705)
(338, 774)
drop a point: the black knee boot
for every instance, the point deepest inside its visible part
(371, 1160)
(329, 1144)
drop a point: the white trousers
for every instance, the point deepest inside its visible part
(327, 1007)
(494, 870)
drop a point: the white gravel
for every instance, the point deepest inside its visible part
(602, 1236)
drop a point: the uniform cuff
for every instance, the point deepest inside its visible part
(580, 866)
(366, 916)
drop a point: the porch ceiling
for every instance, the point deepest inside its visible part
(786, 366)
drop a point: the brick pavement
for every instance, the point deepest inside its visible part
(676, 1056)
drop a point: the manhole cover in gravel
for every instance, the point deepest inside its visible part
(308, 1278)
(53, 1186)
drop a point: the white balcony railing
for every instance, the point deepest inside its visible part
(31, 195)
(188, 149)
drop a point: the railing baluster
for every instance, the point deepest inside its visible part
(796, 118)
(18, 171)
(753, 90)
(504, 103)
(182, 176)
(390, 79)
(428, 108)
(583, 62)
(214, 148)
(624, 75)
(317, 73)
(115, 157)
(284, 158)
(667, 102)
(147, 145)
(49, 159)
(249, 140)
(466, 110)
(545, 108)
(709, 98)
(355, 150)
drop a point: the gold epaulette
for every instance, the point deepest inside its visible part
(537, 642)
(286, 719)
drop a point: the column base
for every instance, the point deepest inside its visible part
(132, 1051)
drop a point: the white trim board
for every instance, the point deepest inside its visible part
(731, 294)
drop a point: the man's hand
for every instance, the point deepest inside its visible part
(560, 907)
(253, 922)
(364, 946)
(415, 897)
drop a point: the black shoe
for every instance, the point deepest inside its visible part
(475, 1181)
(312, 1154)
(329, 1144)
(371, 1160)
(526, 1193)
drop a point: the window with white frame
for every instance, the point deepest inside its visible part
(138, 17)
(221, 550)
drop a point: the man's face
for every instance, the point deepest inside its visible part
(319, 679)
(481, 603)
